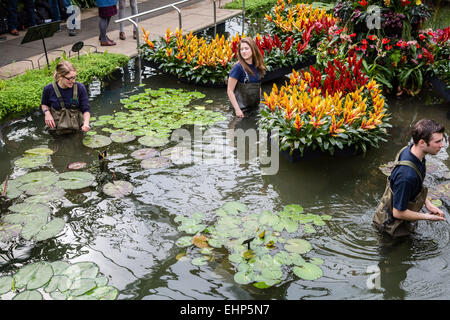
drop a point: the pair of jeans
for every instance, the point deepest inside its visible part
(12, 13)
(54, 8)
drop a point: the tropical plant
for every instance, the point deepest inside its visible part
(323, 111)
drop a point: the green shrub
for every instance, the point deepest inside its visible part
(22, 94)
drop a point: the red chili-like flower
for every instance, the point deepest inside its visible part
(363, 3)
(422, 36)
(385, 40)
(372, 37)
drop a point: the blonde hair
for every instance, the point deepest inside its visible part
(257, 58)
(64, 67)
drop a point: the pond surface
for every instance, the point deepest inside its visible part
(133, 239)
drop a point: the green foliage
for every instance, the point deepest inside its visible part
(22, 94)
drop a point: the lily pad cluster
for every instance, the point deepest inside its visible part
(263, 247)
(58, 280)
(31, 219)
(152, 115)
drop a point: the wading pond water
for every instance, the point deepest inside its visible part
(137, 240)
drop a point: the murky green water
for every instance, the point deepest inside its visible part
(133, 239)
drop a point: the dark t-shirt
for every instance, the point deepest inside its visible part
(238, 72)
(49, 97)
(405, 183)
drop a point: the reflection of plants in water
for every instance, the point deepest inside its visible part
(261, 245)
(58, 280)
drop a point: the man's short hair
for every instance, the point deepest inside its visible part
(424, 129)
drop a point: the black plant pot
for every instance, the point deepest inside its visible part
(310, 154)
(439, 86)
(280, 72)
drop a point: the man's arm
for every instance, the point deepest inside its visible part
(410, 215)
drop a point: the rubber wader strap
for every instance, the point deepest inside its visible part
(61, 100)
(407, 163)
(58, 95)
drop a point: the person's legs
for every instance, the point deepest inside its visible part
(134, 10)
(12, 17)
(54, 10)
(121, 14)
(102, 24)
(29, 7)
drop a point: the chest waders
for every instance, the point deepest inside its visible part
(248, 95)
(66, 120)
(384, 218)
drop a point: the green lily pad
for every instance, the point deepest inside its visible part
(6, 284)
(75, 180)
(39, 151)
(122, 137)
(28, 295)
(28, 162)
(33, 276)
(97, 141)
(82, 286)
(118, 188)
(184, 242)
(50, 230)
(200, 261)
(298, 246)
(153, 141)
(234, 207)
(9, 231)
(308, 271)
(145, 153)
(12, 189)
(79, 270)
(104, 293)
(243, 277)
(30, 208)
(156, 163)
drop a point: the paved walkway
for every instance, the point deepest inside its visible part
(196, 15)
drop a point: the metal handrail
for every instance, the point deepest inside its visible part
(172, 5)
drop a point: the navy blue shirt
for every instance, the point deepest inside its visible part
(404, 181)
(238, 72)
(49, 97)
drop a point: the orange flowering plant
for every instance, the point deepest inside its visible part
(327, 111)
(189, 56)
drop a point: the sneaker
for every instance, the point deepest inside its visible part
(72, 32)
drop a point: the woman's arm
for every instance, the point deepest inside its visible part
(48, 118)
(86, 118)
(232, 82)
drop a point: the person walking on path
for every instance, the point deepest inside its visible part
(106, 9)
(244, 81)
(56, 15)
(398, 211)
(12, 15)
(134, 10)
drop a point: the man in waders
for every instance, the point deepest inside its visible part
(404, 196)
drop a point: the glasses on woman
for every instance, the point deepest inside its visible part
(71, 78)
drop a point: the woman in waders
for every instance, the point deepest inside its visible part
(244, 81)
(404, 196)
(65, 102)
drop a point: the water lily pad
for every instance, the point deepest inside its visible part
(5, 284)
(118, 188)
(122, 136)
(79, 270)
(234, 207)
(76, 165)
(12, 189)
(75, 180)
(308, 271)
(50, 230)
(97, 141)
(33, 276)
(30, 208)
(184, 242)
(28, 295)
(152, 141)
(9, 231)
(28, 162)
(39, 151)
(200, 261)
(298, 246)
(178, 155)
(52, 191)
(104, 293)
(82, 286)
(145, 153)
(243, 277)
(156, 163)
(200, 241)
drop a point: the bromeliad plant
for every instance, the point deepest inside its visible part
(337, 108)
